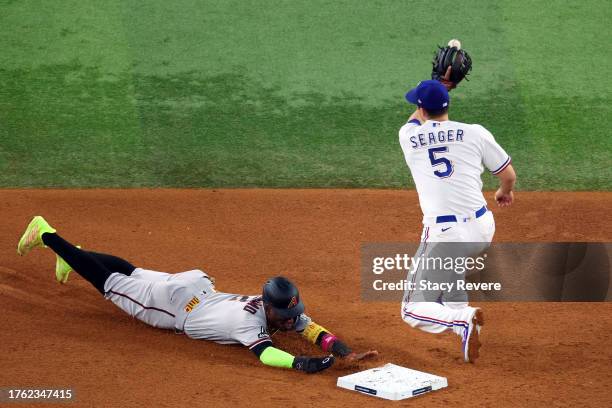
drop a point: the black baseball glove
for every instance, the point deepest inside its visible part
(450, 66)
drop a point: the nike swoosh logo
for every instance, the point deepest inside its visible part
(446, 229)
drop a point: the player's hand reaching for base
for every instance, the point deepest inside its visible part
(341, 349)
(361, 356)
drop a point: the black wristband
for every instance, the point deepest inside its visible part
(312, 364)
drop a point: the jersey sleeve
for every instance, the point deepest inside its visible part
(494, 157)
(404, 137)
(407, 126)
(252, 333)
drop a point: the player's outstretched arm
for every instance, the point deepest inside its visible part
(278, 358)
(504, 197)
(330, 343)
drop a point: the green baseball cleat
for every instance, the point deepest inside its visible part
(32, 237)
(62, 269)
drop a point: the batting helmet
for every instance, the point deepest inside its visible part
(283, 297)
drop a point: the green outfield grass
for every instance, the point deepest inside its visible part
(291, 94)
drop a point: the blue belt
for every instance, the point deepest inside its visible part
(451, 218)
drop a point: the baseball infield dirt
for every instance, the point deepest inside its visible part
(69, 336)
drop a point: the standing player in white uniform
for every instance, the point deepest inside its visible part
(188, 303)
(446, 159)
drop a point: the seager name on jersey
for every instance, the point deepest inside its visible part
(431, 138)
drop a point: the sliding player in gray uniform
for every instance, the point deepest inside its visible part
(188, 303)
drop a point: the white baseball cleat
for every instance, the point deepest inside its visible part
(471, 343)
